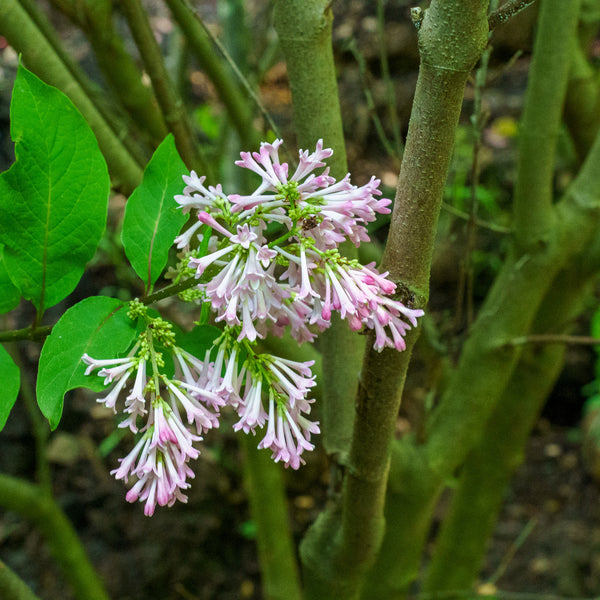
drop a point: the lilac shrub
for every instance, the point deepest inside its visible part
(264, 263)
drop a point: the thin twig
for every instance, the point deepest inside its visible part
(389, 84)
(362, 69)
(553, 338)
(35, 334)
(240, 76)
(170, 290)
(480, 223)
(507, 558)
(507, 11)
(39, 334)
(39, 426)
(170, 103)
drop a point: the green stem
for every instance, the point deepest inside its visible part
(35, 334)
(487, 361)
(344, 542)
(461, 544)
(582, 103)
(171, 105)
(541, 121)
(12, 586)
(473, 390)
(411, 499)
(31, 503)
(95, 18)
(266, 494)
(41, 431)
(22, 33)
(304, 30)
(238, 109)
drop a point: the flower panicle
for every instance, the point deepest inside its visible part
(295, 277)
(170, 414)
(264, 262)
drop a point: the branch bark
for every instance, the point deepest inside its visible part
(344, 541)
(304, 29)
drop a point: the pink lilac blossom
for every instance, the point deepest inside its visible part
(194, 397)
(159, 460)
(271, 263)
(342, 207)
(288, 430)
(245, 284)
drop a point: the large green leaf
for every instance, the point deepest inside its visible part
(9, 294)
(53, 200)
(152, 218)
(11, 381)
(98, 326)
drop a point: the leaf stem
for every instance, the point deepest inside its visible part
(170, 290)
(554, 338)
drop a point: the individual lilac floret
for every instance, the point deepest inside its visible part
(118, 374)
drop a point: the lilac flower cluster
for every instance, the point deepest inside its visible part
(172, 413)
(269, 261)
(300, 277)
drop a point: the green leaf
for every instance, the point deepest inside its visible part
(9, 294)
(53, 200)
(199, 340)
(152, 218)
(98, 326)
(11, 382)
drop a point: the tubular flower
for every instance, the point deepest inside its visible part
(159, 459)
(267, 261)
(299, 278)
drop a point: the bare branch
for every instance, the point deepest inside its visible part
(553, 338)
(507, 11)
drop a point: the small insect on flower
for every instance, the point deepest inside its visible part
(309, 223)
